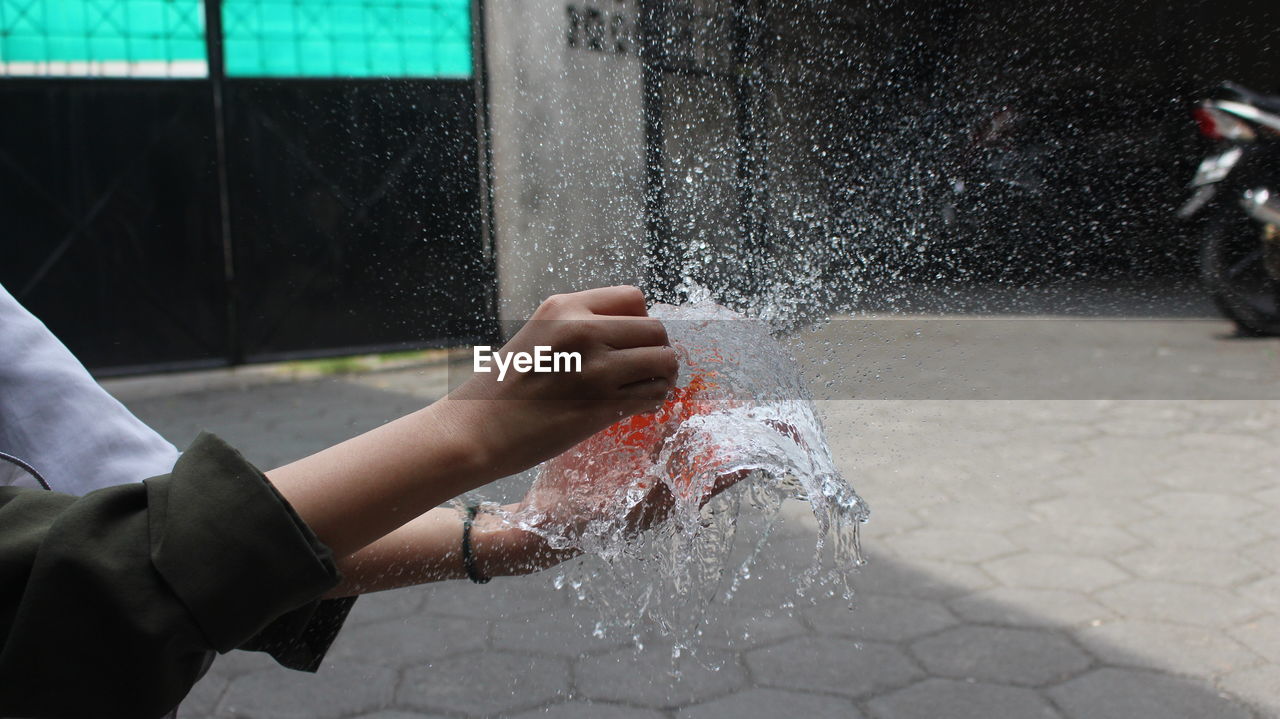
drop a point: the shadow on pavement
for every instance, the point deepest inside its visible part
(1029, 615)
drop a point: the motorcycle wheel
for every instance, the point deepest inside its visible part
(1233, 270)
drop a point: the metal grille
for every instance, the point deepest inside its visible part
(102, 38)
(347, 38)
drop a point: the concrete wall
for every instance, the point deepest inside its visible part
(567, 139)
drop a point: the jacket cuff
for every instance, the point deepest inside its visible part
(300, 639)
(230, 547)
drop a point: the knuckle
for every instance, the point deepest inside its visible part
(554, 303)
(632, 293)
(656, 330)
(575, 333)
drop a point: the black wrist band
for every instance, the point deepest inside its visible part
(469, 559)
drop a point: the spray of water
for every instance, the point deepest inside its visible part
(663, 493)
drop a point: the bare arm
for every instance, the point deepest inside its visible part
(429, 549)
(365, 488)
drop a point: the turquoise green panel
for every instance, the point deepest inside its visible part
(130, 31)
(347, 38)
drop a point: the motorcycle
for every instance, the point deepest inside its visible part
(1236, 195)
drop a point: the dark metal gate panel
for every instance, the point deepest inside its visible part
(163, 224)
(355, 211)
(109, 215)
(354, 216)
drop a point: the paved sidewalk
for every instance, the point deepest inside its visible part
(1082, 559)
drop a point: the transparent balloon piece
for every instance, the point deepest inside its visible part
(657, 498)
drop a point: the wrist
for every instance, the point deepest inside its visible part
(459, 433)
(503, 550)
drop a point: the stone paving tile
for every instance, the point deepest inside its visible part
(589, 710)
(235, 663)
(949, 699)
(1195, 566)
(1267, 521)
(769, 588)
(893, 520)
(1265, 592)
(393, 604)
(645, 678)
(1086, 506)
(406, 642)
(1214, 505)
(1260, 687)
(1177, 648)
(1222, 442)
(920, 578)
(203, 699)
(1029, 657)
(832, 665)
(1022, 607)
(1055, 571)
(1270, 495)
(1012, 488)
(1141, 426)
(957, 545)
(987, 516)
(1090, 498)
(1191, 470)
(735, 627)
(1022, 459)
(921, 491)
(484, 683)
(1261, 635)
(560, 633)
(879, 617)
(397, 714)
(1111, 693)
(1081, 539)
(1125, 459)
(1180, 603)
(338, 690)
(1196, 532)
(771, 704)
(941, 467)
(503, 597)
(1265, 554)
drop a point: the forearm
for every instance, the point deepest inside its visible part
(356, 492)
(429, 549)
(360, 490)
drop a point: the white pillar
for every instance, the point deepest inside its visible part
(567, 140)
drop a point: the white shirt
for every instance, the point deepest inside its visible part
(55, 417)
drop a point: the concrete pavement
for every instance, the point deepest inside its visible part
(1032, 556)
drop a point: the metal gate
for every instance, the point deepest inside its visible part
(176, 223)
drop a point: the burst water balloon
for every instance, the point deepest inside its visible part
(647, 495)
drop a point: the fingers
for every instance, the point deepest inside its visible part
(627, 332)
(623, 300)
(644, 368)
(646, 396)
(611, 316)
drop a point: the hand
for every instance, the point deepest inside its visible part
(627, 368)
(628, 478)
(355, 492)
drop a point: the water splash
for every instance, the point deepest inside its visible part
(663, 493)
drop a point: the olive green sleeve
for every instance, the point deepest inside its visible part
(110, 603)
